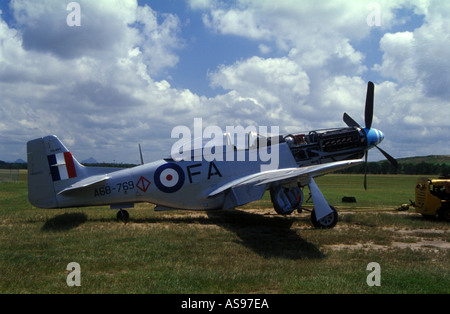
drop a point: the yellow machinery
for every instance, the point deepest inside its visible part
(433, 198)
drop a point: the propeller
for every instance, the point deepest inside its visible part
(350, 122)
(368, 112)
(388, 157)
(368, 117)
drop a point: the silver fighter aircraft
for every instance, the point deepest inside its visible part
(57, 180)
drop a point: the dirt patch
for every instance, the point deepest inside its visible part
(399, 237)
(414, 239)
(421, 245)
(357, 246)
(417, 231)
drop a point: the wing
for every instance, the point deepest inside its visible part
(284, 176)
(251, 188)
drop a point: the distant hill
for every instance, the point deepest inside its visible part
(18, 164)
(418, 165)
(89, 161)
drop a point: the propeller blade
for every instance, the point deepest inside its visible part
(365, 171)
(388, 157)
(350, 122)
(369, 105)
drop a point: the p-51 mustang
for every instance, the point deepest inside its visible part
(57, 180)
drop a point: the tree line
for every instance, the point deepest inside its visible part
(21, 165)
(12, 165)
(385, 167)
(380, 167)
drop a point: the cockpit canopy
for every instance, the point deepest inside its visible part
(190, 148)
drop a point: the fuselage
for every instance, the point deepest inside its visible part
(186, 183)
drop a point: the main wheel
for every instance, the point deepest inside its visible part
(326, 222)
(123, 215)
(285, 200)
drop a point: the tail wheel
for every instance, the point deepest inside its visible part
(326, 222)
(123, 215)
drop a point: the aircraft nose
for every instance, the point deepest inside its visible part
(374, 137)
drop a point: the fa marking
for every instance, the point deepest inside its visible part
(193, 170)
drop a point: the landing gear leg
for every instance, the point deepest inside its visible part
(123, 215)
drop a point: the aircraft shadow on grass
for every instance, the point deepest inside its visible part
(267, 236)
(64, 222)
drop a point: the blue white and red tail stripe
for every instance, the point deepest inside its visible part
(62, 166)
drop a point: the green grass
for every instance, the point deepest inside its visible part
(250, 250)
(383, 191)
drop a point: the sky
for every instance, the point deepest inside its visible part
(108, 75)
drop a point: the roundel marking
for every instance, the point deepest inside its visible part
(169, 178)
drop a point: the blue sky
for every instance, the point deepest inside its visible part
(202, 49)
(134, 70)
(198, 57)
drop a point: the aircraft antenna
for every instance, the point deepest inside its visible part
(140, 154)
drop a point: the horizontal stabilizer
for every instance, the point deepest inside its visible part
(90, 181)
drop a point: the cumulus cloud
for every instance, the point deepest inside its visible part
(105, 86)
(317, 43)
(419, 56)
(277, 80)
(158, 41)
(91, 84)
(44, 28)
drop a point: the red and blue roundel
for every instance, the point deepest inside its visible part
(169, 178)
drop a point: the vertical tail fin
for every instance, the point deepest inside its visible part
(50, 166)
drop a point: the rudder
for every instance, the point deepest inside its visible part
(50, 165)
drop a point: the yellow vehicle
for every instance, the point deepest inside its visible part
(433, 198)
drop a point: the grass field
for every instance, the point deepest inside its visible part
(249, 250)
